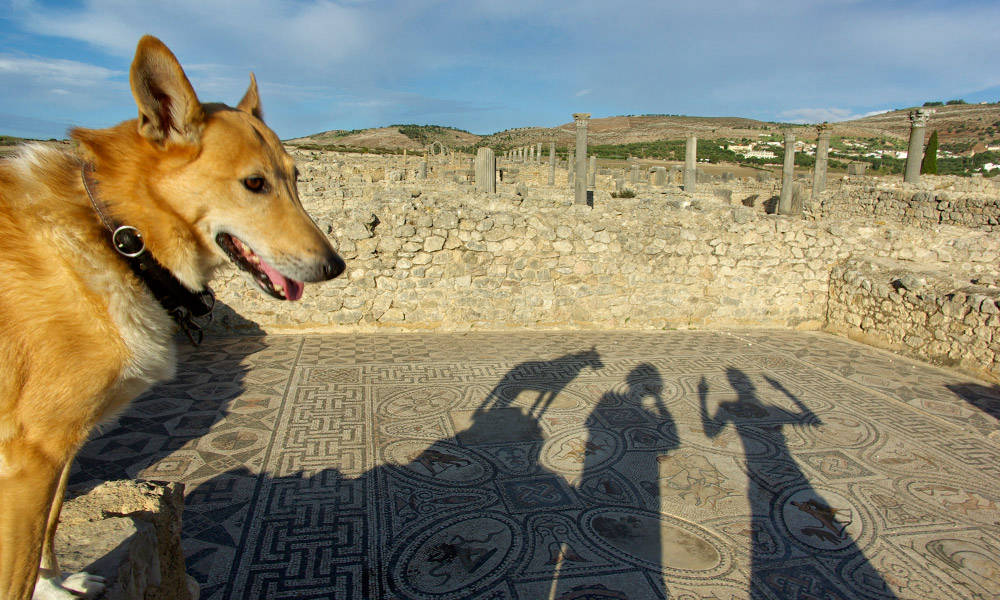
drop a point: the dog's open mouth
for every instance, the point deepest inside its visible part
(267, 277)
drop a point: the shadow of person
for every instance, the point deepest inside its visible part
(499, 498)
(802, 541)
(543, 379)
(628, 431)
(174, 414)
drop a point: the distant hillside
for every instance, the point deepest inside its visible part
(7, 143)
(960, 127)
(634, 129)
(394, 137)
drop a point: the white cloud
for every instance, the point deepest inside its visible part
(820, 115)
(54, 71)
(256, 32)
(582, 93)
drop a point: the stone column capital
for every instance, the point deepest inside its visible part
(581, 118)
(824, 130)
(789, 136)
(919, 117)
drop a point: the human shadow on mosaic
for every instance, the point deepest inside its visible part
(497, 506)
(628, 432)
(802, 538)
(488, 508)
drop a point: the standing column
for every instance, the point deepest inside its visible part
(633, 177)
(690, 163)
(552, 163)
(915, 153)
(538, 153)
(592, 173)
(822, 149)
(423, 167)
(531, 153)
(571, 168)
(580, 187)
(486, 171)
(787, 176)
(659, 176)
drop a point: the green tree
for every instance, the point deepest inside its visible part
(929, 164)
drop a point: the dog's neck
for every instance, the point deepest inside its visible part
(186, 307)
(126, 167)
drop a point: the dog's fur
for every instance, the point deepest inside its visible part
(80, 335)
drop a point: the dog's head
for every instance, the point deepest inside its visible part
(223, 179)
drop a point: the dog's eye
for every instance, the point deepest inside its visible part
(255, 184)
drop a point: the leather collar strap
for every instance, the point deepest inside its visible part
(183, 305)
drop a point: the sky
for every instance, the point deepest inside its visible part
(489, 65)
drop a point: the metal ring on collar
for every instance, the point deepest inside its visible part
(128, 241)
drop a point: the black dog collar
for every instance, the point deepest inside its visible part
(183, 305)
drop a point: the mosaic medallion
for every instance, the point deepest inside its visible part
(820, 520)
(654, 540)
(574, 451)
(441, 463)
(842, 430)
(460, 554)
(959, 502)
(419, 402)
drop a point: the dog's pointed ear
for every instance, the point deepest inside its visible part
(251, 100)
(169, 110)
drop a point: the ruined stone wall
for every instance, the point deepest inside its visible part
(931, 315)
(436, 255)
(971, 203)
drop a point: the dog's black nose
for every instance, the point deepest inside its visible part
(333, 266)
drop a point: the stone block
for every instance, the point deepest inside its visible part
(129, 533)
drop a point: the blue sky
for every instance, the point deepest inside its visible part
(488, 65)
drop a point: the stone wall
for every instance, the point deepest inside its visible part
(436, 255)
(973, 203)
(128, 532)
(927, 314)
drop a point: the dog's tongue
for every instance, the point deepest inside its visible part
(293, 289)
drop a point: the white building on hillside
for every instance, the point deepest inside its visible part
(759, 154)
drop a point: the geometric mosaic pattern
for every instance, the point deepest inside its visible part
(570, 465)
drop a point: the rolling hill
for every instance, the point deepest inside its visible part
(960, 125)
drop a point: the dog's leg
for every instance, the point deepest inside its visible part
(84, 585)
(50, 563)
(28, 481)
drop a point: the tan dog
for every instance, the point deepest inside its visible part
(80, 333)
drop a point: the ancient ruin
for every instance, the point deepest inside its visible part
(547, 392)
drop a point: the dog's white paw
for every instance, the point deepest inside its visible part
(84, 584)
(73, 587)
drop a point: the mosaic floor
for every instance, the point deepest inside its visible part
(572, 466)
